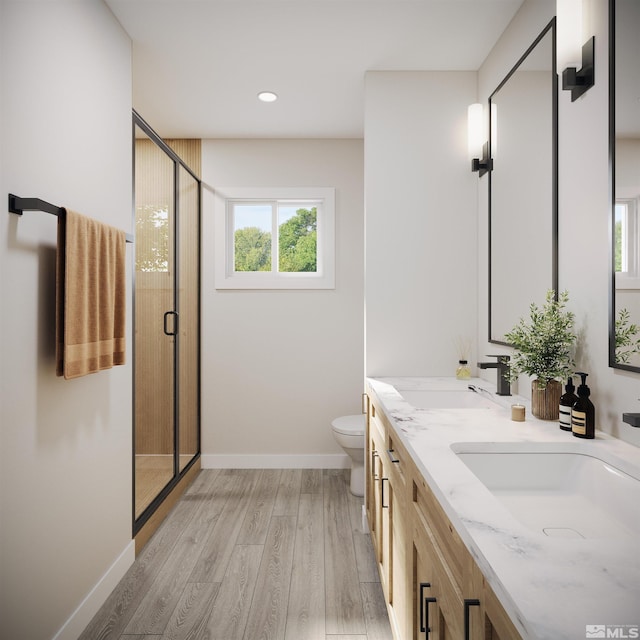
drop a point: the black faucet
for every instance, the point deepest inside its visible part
(504, 386)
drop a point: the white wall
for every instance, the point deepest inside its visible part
(65, 136)
(278, 366)
(421, 200)
(584, 208)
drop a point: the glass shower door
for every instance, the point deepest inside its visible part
(155, 321)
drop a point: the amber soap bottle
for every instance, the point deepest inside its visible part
(567, 400)
(583, 413)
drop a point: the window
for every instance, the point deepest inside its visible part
(275, 238)
(627, 249)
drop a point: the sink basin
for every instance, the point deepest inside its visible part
(559, 493)
(447, 399)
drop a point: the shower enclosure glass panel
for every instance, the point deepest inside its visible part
(189, 313)
(167, 317)
(154, 321)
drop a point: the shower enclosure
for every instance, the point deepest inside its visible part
(167, 196)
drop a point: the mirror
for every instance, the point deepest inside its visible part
(523, 236)
(624, 139)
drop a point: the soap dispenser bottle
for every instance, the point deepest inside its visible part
(583, 418)
(567, 400)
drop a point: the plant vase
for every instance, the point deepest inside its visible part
(545, 403)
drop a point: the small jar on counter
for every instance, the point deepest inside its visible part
(463, 372)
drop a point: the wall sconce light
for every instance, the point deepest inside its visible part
(571, 52)
(579, 81)
(477, 140)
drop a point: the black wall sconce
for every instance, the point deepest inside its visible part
(579, 81)
(484, 164)
(476, 132)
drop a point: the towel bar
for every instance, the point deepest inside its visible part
(17, 205)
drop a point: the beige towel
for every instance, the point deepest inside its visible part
(90, 296)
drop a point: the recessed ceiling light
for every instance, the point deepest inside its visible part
(267, 96)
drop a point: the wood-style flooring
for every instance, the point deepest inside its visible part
(253, 554)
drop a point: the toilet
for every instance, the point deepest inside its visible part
(349, 434)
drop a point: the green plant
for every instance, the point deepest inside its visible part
(544, 345)
(627, 342)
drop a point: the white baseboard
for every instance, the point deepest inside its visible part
(275, 461)
(88, 608)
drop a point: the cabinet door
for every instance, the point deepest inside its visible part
(385, 529)
(399, 569)
(428, 526)
(426, 623)
(374, 508)
(497, 624)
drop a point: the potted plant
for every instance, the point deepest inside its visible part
(627, 340)
(544, 347)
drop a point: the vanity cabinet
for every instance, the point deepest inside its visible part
(387, 512)
(432, 586)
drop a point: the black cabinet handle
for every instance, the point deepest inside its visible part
(392, 457)
(175, 323)
(424, 610)
(384, 506)
(468, 603)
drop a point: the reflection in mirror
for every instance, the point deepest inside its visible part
(624, 343)
(523, 187)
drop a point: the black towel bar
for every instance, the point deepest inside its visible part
(17, 205)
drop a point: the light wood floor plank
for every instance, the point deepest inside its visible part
(268, 613)
(342, 592)
(286, 503)
(311, 481)
(190, 617)
(306, 611)
(156, 608)
(264, 592)
(230, 611)
(256, 521)
(375, 612)
(365, 557)
(113, 617)
(218, 547)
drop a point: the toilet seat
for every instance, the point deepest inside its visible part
(350, 425)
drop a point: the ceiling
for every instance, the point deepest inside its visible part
(199, 64)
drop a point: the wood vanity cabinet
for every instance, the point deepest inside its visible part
(433, 588)
(387, 512)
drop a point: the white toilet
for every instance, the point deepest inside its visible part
(349, 434)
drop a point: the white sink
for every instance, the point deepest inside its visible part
(558, 493)
(448, 399)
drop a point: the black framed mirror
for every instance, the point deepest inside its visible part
(523, 201)
(624, 163)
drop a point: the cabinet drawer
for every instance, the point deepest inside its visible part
(397, 458)
(376, 427)
(448, 540)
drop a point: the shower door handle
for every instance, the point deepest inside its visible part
(175, 323)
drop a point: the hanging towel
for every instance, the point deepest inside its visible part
(90, 296)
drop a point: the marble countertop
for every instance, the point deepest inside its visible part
(551, 587)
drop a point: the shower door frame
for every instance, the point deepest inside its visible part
(178, 474)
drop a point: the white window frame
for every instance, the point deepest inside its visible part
(225, 275)
(629, 278)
